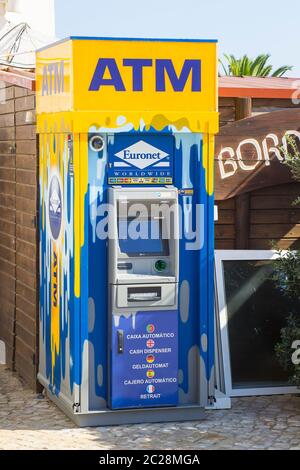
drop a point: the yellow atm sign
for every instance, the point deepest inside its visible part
(124, 76)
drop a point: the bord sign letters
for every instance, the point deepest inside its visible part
(109, 73)
(231, 159)
(248, 155)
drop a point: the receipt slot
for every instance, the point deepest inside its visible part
(126, 211)
(143, 291)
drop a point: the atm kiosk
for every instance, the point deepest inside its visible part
(126, 134)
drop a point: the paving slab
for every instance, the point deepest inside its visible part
(28, 422)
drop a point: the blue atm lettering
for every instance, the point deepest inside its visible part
(55, 281)
(107, 73)
(53, 79)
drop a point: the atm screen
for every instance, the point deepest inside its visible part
(142, 237)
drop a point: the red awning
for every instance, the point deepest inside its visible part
(258, 87)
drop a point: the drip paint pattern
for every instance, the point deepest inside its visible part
(57, 299)
(74, 304)
(74, 292)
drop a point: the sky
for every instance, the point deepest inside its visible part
(252, 27)
(33, 11)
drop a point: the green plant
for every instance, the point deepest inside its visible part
(287, 276)
(257, 67)
(284, 349)
(287, 272)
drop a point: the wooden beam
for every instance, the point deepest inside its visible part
(242, 221)
(243, 108)
(19, 78)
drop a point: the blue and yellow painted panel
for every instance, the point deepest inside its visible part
(57, 245)
(115, 87)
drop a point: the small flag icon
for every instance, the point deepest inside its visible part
(150, 343)
(150, 374)
(150, 328)
(150, 358)
(150, 389)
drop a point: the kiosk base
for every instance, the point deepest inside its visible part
(109, 417)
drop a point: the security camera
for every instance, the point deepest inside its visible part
(96, 143)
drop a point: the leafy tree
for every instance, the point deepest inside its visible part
(257, 67)
(285, 348)
(287, 277)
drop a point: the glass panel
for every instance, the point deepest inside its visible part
(257, 310)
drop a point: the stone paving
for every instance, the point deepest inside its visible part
(28, 422)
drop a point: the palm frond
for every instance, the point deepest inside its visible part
(281, 71)
(245, 66)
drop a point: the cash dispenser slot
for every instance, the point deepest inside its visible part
(145, 295)
(137, 294)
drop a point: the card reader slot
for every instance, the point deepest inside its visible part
(143, 294)
(120, 334)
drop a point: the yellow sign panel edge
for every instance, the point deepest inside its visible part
(149, 88)
(204, 120)
(47, 60)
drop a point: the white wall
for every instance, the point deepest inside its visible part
(39, 14)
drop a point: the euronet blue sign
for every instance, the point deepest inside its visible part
(134, 158)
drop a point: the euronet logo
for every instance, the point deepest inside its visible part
(141, 155)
